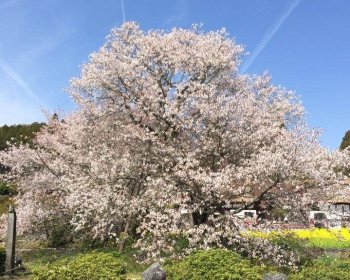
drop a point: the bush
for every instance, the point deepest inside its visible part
(324, 269)
(90, 266)
(61, 234)
(219, 264)
(2, 260)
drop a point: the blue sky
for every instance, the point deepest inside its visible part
(304, 44)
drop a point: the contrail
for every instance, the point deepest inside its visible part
(123, 10)
(269, 34)
(19, 81)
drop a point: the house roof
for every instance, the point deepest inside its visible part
(340, 200)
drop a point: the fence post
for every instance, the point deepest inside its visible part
(10, 242)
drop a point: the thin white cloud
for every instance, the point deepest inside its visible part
(123, 10)
(180, 13)
(19, 81)
(34, 53)
(174, 19)
(269, 35)
(45, 45)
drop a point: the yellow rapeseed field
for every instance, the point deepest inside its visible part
(315, 237)
(322, 233)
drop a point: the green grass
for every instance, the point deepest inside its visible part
(329, 244)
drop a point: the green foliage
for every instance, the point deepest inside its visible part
(278, 213)
(2, 260)
(324, 269)
(6, 189)
(219, 264)
(60, 234)
(346, 141)
(41, 258)
(89, 266)
(16, 133)
(180, 242)
(5, 203)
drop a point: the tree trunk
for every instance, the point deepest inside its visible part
(124, 236)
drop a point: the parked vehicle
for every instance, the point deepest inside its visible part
(319, 219)
(249, 217)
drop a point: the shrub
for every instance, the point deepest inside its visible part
(324, 269)
(219, 264)
(61, 234)
(2, 260)
(90, 266)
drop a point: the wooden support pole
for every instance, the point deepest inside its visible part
(11, 242)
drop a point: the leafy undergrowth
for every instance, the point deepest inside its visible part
(72, 264)
(63, 264)
(93, 265)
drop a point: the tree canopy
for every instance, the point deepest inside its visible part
(346, 141)
(18, 133)
(167, 127)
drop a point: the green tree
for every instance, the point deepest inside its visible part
(346, 141)
(18, 133)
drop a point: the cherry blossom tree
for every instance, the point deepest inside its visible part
(167, 127)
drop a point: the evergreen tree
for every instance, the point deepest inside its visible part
(18, 133)
(346, 141)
